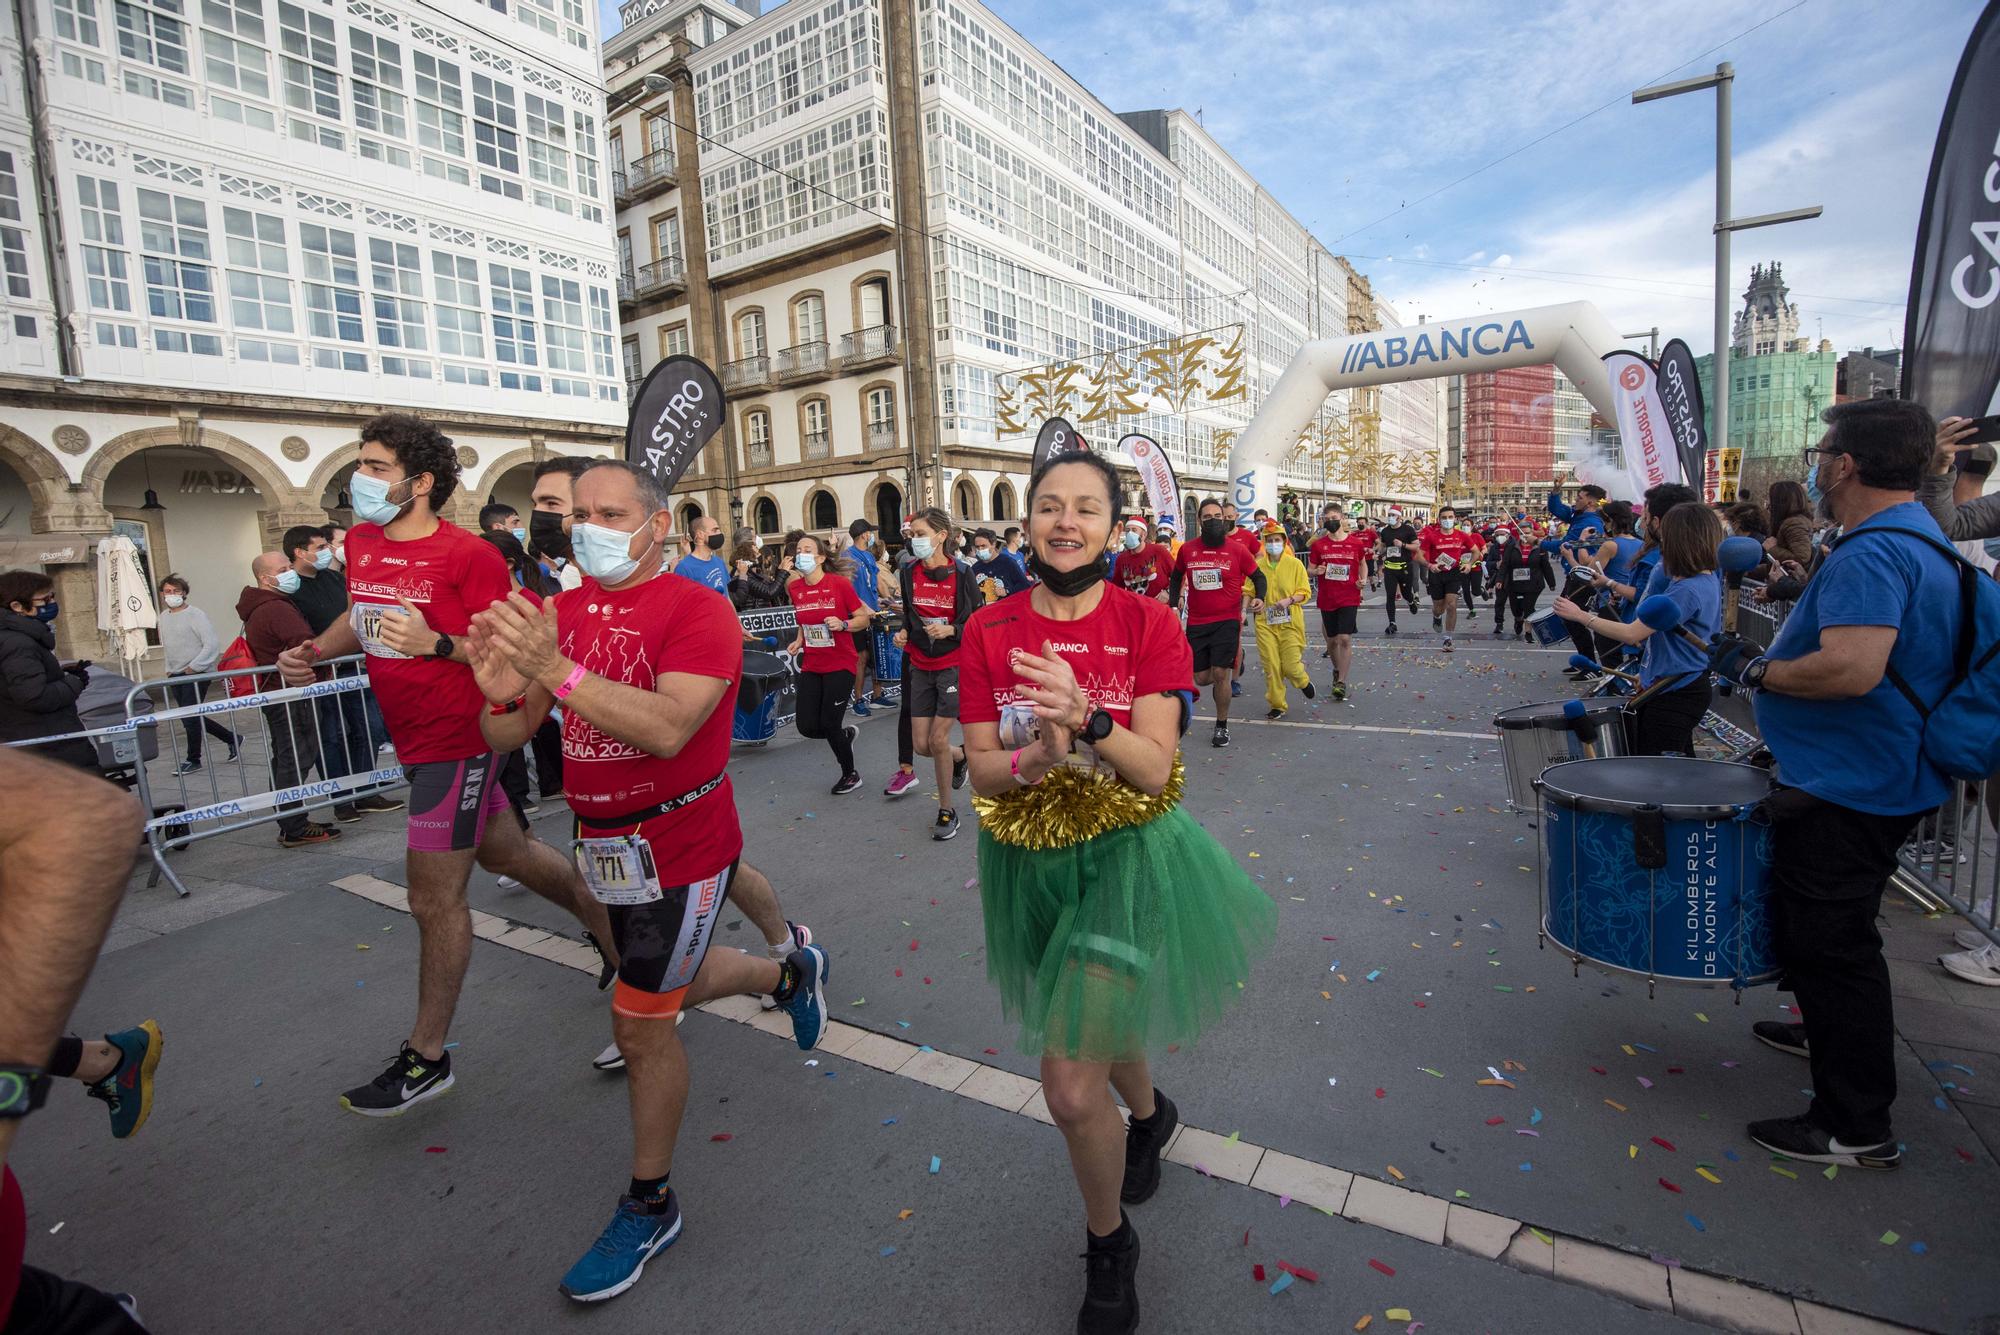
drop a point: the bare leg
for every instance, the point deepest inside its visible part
(444, 927)
(1134, 1082)
(1219, 679)
(1079, 1098)
(1343, 655)
(751, 891)
(1450, 613)
(99, 1060)
(506, 851)
(656, 1064)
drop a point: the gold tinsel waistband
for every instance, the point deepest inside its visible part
(1071, 805)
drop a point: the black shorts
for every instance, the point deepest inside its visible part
(1215, 644)
(1445, 582)
(1337, 620)
(661, 945)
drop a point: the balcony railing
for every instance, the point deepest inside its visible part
(760, 453)
(625, 285)
(644, 177)
(874, 346)
(881, 435)
(660, 276)
(748, 373)
(805, 361)
(819, 444)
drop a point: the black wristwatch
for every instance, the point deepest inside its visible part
(443, 647)
(1753, 675)
(22, 1090)
(1097, 727)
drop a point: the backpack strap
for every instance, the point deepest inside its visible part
(1969, 576)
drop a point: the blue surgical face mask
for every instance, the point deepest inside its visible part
(1447, 523)
(46, 612)
(520, 535)
(371, 499)
(806, 562)
(921, 548)
(323, 558)
(604, 554)
(1132, 541)
(288, 582)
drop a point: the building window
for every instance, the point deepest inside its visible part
(260, 286)
(873, 307)
(548, 152)
(440, 117)
(881, 406)
(825, 511)
(667, 237)
(13, 241)
(537, 14)
(689, 513)
(514, 325)
(750, 334)
(104, 258)
(76, 20)
(495, 132)
(764, 514)
(757, 438)
(333, 292)
(674, 341)
(602, 331)
(152, 32)
(312, 75)
(396, 283)
(233, 55)
(562, 332)
(586, 167)
(378, 95)
(815, 429)
(659, 134)
(635, 369)
(455, 284)
(809, 319)
(173, 237)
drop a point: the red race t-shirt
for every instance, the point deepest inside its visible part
(1212, 578)
(634, 637)
(934, 600)
(1145, 571)
(1248, 540)
(1128, 647)
(826, 650)
(431, 705)
(13, 1240)
(1344, 561)
(1448, 551)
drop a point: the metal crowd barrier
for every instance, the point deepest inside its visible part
(1951, 863)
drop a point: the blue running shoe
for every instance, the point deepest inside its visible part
(128, 1091)
(618, 1257)
(808, 1003)
(860, 708)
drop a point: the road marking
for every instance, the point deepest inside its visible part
(1272, 1172)
(1358, 727)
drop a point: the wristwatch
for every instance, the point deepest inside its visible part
(1753, 675)
(1097, 727)
(22, 1090)
(443, 647)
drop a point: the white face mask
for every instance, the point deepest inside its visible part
(604, 554)
(340, 553)
(175, 600)
(1447, 524)
(805, 562)
(921, 548)
(1275, 548)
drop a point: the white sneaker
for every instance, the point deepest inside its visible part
(1969, 938)
(506, 883)
(1980, 966)
(611, 1059)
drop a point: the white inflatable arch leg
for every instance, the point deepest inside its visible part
(1574, 336)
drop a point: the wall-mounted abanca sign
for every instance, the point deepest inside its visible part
(1573, 335)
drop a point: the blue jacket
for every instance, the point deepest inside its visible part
(867, 576)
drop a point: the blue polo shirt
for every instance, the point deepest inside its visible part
(1666, 653)
(710, 572)
(1864, 752)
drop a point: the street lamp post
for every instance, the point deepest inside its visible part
(1721, 81)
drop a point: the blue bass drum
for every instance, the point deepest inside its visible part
(1659, 866)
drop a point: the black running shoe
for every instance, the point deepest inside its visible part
(607, 972)
(1784, 1037)
(409, 1080)
(1797, 1138)
(946, 826)
(1221, 737)
(1339, 689)
(961, 770)
(1392, 627)
(1143, 1143)
(1274, 715)
(1437, 623)
(848, 783)
(1110, 1293)
(1308, 690)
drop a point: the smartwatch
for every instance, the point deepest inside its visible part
(443, 647)
(1097, 727)
(1753, 675)
(22, 1090)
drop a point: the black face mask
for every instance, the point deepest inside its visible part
(715, 541)
(546, 536)
(1066, 583)
(1213, 531)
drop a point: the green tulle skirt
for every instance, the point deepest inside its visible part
(1131, 940)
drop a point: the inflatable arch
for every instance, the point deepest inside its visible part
(1573, 336)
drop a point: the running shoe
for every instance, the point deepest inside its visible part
(801, 938)
(1969, 938)
(611, 1059)
(1307, 691)
(1499, 633)
(378, 804)
(1437, 623)
(861, 709)
(1221, 737)
(408, 1080)
(233, 750)
(128, 1090)
(188, 767)
(961, 770)
(1980, 965)
(848, 783)
(529, 808)
(1339, 689)
(607, 972)
(1392, 627)
(618, 1257)
(946, 826)
(1111, 1292)
(1143, 1143)
(506, 882)
(313, 833)
(1784, 1037)
(1274, 715)
(900, 783)
(1797, 1138)
(1235, 687)
(1447, 644)
(346, 814)
(808, 1003)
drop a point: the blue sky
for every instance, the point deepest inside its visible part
(1349, 112)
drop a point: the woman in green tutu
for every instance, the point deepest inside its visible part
(1113, 922)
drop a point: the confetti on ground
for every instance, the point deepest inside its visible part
(1527, 1168)
(888, 1121)
(1704, 1173)
(1670, 1186)
(1704, 1019)
(723, 1135)
(1374, 974)
(936, 1163)
(1546, 1239)
(1664, 1144)
(1610, 1103)
(1396, 1172)
(435, 1149)
(1428, 1071)
(904, 1214)
(1644, 1083)
(1397, 1314)
(1381, 1093)
(1918, 1248)
(1284, 1281)
(1309, 1276)
(58, 1227)
(1495, 1121)
(1362, 1324)
(1377, 1265)
(1536, 1118)
(1891, 1238)
(1784, 1172)
(1257, 1273)
(1699, 1227)
(888, 1251)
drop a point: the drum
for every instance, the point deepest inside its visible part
(1548, 628)
(1659, 866)
(762, 698)
(1534, 737)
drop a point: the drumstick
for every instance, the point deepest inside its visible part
(1576, 715)
(1737, 557)
(1585, 661)
(1661, 613)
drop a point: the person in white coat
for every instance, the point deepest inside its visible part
(192, 648)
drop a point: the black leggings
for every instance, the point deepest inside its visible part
(1521, 603)
(1405, 581)
(1665, 724)
(822, 712)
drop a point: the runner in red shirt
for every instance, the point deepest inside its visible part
(940, 594)
(646, 668)
(1213, 570)
(414, 583)
(1336, 561)
(1366, 532)
(1449, 554)
(1142, 567)
(828, 611)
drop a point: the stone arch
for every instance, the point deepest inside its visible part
(337, 458)
(275, 486)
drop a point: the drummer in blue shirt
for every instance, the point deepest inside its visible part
(1688, 537)
(1853, 780)
(703, 562)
